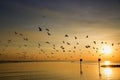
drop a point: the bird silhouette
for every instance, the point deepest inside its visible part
(39, 45)
(68, 43)
(77, 43)
(74, 47)
(94, 42)
(62, 47)
(87, 46)
(112, 44)
(87, 36)
(9, 41)
(15, 32)
(48, 34)
(47, 42)
(101, 42)
(63, 42)
(26, 39)
(66, 35)
(47, 29)
(75, 37)
(21, 34)
(40, 29)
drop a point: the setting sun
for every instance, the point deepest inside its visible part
(107, 62)
(106, 49)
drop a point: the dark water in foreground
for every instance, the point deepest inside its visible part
(57, 71)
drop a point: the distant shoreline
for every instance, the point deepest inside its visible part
(36, 61)
(110, 66)
(10, 61)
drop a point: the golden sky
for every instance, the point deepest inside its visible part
(90, 25)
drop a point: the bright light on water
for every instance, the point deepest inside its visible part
(107, 62)
(108, 72)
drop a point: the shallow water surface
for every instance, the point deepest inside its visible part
(57, 71)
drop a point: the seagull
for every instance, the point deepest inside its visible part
(94, 42)
(25, 45)
(63, 42)
(87, 36)
(15, 32)
(26, 39)
(74, 47)
(87, 46)
(101, 42)
(62, 47)
(77, 43)
(48, 34)
(9, 41)
(47, 29)
(75, 37)
(68, 43)
(66, 35)
(21, 34)
(47, 42)
(63, 50)
(112, 44)
(38, 45)
(40, 29)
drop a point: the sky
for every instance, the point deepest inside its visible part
(91, 21)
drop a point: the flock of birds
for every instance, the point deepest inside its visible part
(65, 51)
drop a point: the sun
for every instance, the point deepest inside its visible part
(107, 62)
(107, 49)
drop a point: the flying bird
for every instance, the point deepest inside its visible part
(68, 43)
(39, 45)
(101, 42)
(77, 43)
(40, 29)
(63, 42)
(94, 42)
(47, 29)
(66, 35)
(9, 41)
(62, 47)
(112, 44)
(87, 36)
(87, 46)
(25, 45)
(48, 34)
(26, 39)
(74, 47)
(15, 32)
(21, 34)
(75, 37)
(47, 42)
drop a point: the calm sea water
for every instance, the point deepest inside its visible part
(57, 71)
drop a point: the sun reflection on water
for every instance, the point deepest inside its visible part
(108, 72)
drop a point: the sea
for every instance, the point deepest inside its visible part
(67, 70)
